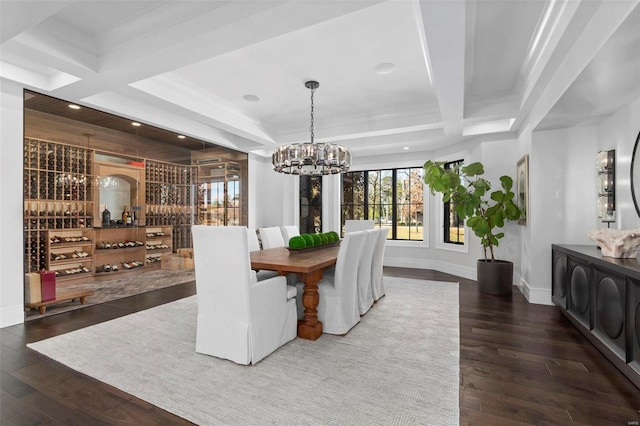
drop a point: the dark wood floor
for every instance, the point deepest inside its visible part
(519, 364)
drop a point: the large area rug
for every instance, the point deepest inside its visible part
(398, 366)
(117, 288)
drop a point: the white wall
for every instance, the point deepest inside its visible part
(563, 191)
(11, 202)
(619, 132)
(273, 197)
(562, 202)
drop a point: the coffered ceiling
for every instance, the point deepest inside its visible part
(232, 72)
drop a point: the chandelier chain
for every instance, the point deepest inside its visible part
(313, 90)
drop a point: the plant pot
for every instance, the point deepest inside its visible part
(495, 277)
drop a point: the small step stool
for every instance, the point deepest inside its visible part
(61, 297)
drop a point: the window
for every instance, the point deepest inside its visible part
(310, 204)
(453, 226)
(392, 198)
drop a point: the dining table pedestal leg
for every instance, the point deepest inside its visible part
(310, 328)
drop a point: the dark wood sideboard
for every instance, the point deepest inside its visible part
(601, 297)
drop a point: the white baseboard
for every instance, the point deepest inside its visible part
(539, 296)
(446, 267)
(11, 315)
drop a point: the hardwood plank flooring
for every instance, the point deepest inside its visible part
(519, 364)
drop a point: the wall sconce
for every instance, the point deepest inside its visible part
(606, 185)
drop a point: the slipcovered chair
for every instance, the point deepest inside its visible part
(252, 240)
(271, 237)
(357, 225)
(288, 232)
(338, 306)
(365, 295)
(377, 289)
(254, 245)
(239, 318)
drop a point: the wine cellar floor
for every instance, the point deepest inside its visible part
(108, 290)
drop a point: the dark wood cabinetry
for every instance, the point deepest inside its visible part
(601, 297)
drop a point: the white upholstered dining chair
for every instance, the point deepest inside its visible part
(351, 225)
(254, 245)
(271, 237)
(338, 306)
(288, 232)
(365, 295)
(239, 318)
(377, 287)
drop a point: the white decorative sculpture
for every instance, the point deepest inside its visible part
(617, 243)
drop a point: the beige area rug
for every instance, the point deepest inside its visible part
(117, 288)
(398, 366)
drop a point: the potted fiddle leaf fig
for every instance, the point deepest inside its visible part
(484, 211)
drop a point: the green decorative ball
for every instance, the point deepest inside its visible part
(324, 238)
(335, 235)
(317, 240)
(297, 242)
(308, 239)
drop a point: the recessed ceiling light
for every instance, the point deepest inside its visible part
(135, 123)
(181, 136)
(251, 98)
(406, 148)
(384, 68)
(74, 106)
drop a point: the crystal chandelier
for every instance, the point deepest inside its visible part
(311, 158)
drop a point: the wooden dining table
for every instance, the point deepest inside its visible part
(309, 265)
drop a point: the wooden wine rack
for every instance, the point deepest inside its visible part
(159, 241)
(70, 253)
(170, 199)
(58, 194)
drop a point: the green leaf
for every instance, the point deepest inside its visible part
(497, 196)
(512, 211)
(499, 235)
(507, 182)
(473, 169)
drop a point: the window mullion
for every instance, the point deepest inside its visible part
(394, 205)
(366, 195)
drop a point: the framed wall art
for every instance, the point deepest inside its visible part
(522, 188)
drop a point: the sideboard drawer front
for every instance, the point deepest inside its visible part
(609, 311)
(579, 291)
(560, 279)
(633, 325)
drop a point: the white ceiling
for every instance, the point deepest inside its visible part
(462, 68)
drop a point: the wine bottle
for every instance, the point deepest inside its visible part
(106, 217)
(125, 214)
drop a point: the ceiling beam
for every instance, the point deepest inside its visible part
(232, 26)
(605, 21)
(444, 30)
(18, 16)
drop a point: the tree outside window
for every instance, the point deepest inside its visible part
(392, 198)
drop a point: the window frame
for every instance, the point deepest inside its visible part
(439, 212)
(392, 240)
(446, 211)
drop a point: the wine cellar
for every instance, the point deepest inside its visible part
(67, 179)
(58, 194)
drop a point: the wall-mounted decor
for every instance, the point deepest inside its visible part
(635, 175)
(606, 185)
(522, 188)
